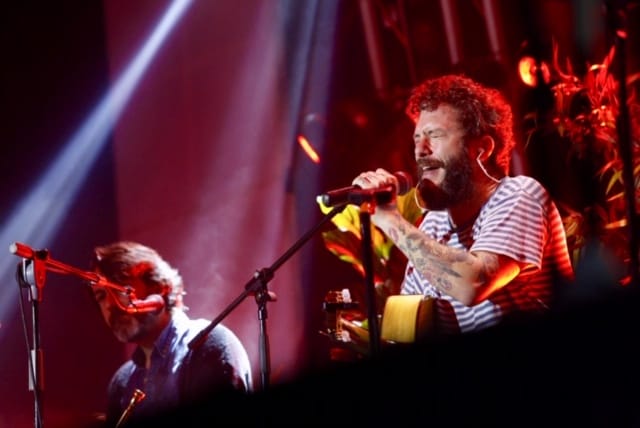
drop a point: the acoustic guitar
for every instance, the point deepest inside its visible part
(405, 319)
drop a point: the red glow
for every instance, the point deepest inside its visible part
(528, 71)
(308, 149)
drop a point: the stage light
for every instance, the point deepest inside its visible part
(308, 149)
(530, 71)
(35, 218)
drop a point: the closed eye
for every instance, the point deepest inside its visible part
(430, 134)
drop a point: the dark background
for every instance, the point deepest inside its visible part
(59, 58)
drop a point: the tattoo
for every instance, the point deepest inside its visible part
(420, 263)
(443, 284)
(393, 234)
(413, 241)
(433, 260)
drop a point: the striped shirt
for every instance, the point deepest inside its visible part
(519, 221)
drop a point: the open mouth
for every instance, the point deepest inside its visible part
(428, 168)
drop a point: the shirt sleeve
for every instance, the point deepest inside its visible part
(516, 225)
(219, 365)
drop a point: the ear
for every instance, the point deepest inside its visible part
(485, 148)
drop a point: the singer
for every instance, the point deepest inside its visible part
(162, 367)
(490, 245)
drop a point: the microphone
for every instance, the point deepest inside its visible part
(357, 195)
(21, 250)
(152, 303)
(136, 398)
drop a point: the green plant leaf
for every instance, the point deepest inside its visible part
(348, 220)
(345, 241)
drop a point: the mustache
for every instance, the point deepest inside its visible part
(429, 163)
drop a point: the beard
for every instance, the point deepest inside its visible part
(125, 328)
(456, 187)
(131, 328)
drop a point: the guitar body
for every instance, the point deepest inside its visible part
(407, 318)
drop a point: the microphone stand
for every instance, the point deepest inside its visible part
(257, 286)
(366, 209)
(31, 273)
(367, 200)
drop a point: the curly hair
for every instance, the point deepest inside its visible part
(483, 111)
(121, 261)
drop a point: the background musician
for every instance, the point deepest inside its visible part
(163, 372)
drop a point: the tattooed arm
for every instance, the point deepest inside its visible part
(469, 277)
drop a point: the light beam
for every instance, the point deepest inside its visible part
(38, 215)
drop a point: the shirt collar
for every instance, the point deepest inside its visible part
(164, 342)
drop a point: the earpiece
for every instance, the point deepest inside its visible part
(484, 170)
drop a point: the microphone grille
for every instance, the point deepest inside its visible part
(405, 182)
